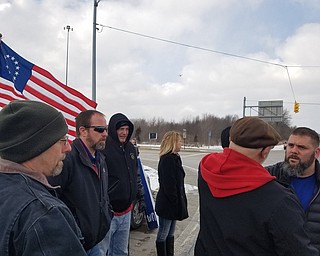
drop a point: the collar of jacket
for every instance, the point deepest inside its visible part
(231, 173)
(84, 157)
(10, 167)
(317, 167)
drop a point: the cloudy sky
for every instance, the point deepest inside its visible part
(175, 59)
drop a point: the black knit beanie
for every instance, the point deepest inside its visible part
(28, 128)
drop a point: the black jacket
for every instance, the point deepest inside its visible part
(313, 212)
(85, 193)
(245, 211)
(33, 221)
(252, 223)
(124, 180)
(171, 201)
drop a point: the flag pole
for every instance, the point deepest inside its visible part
(68, 28)
(94, 50)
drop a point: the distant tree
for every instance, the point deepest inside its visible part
(199, 128)
(137, 134)
(287, 117)
(196, 140)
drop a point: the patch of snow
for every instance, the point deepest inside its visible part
(152, 175)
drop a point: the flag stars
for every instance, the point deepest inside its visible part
(16, 65)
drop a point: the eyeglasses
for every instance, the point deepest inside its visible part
(99, 129)
(65, 140)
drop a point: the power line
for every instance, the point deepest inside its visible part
(218, 52)
(294, 96)
(208, 50)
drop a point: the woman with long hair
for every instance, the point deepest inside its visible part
(171, 201)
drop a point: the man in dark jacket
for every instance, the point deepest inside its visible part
(33, 220)
(301, 171)
(243, 209)
(84, 180)
(124, 183)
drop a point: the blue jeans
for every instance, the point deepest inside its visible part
(94, 251)
(116, 241)
(166, 229)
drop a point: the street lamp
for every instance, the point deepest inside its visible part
(68, 28)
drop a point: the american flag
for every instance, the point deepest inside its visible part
(20, 79)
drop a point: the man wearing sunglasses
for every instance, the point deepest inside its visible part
(84, 180)
(124, 184)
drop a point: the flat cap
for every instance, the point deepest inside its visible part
(253, 132)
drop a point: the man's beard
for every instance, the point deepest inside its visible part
(99, 145)
(58, 169)
(96, 146)
(298, 169)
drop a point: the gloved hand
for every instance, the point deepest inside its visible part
(142, 205)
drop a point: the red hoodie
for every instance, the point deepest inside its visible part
(230, 173)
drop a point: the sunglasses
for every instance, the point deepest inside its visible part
(99, 129)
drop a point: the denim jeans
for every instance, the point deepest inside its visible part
(166, 229)
(116, 241)
(94, 251)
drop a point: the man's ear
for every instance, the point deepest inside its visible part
(317, 153)
(82, 130)
(265, 152)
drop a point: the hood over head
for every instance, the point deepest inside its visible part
(115, 122)
(231, 173)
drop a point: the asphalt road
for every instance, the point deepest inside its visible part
(142, 241)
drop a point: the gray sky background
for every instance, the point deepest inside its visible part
(146, 78)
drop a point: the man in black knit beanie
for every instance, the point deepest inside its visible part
(33, 221)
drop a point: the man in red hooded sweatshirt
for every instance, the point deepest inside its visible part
(243, 209)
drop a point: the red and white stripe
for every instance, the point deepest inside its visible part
(42, 86)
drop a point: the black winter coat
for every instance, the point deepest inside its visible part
(171, 201)
(313, 212)
(33, 221)
(85, 193)
(121, 158)
(252, 223)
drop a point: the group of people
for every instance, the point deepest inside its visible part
(248, 209)
(62, 199)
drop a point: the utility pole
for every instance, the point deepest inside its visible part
(94, 49)
(68, 28)
(244, 107)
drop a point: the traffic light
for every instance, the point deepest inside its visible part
(296, 107)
